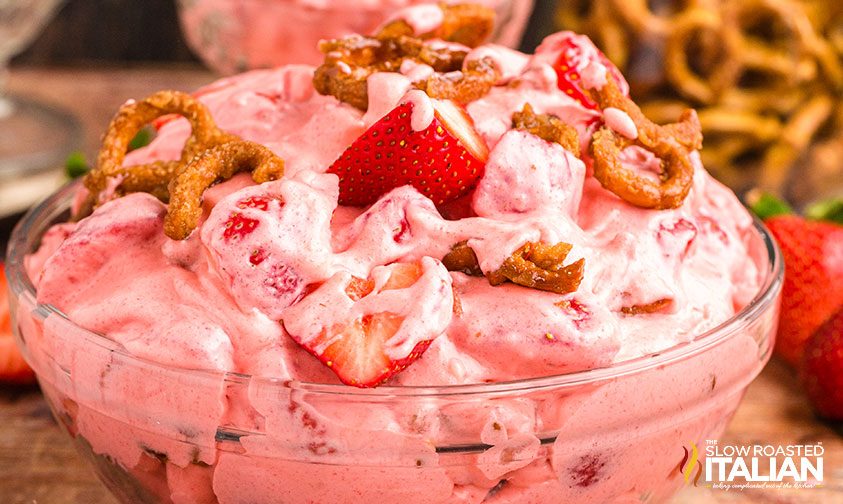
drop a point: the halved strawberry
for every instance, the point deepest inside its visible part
(355, 345)
(356, 351)
(443, 161)
(576, 52)
(13, 369)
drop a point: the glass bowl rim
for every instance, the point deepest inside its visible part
(767, 296)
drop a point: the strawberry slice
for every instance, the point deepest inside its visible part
(13, 369)
(355, 342)
(576, 53)
(443, 161)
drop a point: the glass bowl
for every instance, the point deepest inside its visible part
(232, 36)
(158, 434)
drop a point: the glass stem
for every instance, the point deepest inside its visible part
(6, 105)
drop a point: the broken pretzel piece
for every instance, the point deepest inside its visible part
(655, 306)
(462, 86)
(462, 258)
(548, 127)
(350, 61)
(541, 266)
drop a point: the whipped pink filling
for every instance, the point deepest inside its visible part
(228, 300)
(695, 255)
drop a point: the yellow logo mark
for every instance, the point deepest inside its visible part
(689, 461)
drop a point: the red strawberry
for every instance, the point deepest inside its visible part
(443, 161)
(357, 355)
(355, 350)
(575, 52)
(13, 369)
(822, 368)
(813, 281)
(237, 226)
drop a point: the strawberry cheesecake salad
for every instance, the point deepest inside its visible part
(429, 270)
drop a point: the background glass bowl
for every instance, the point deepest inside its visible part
(159, 434)
(232, 36)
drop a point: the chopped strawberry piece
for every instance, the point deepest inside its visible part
(356, 354)
(588, 471)
(238, 226)
(364, 348)
(257, 256)
(576, 52)
(13, 369)
(442, 161)
(403, 275)
(579, 313)
(359, 288)
(676, 237)
(259, 202)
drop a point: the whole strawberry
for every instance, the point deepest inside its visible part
(822, 368)
(13, 369)
(813, 279)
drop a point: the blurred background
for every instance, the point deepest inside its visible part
(765, 75)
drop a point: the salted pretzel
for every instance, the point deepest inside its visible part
(208, 156)
(217, 163)
(153, 177)
(537, 265)
(672, 144)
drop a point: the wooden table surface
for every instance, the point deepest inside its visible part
(38, 464)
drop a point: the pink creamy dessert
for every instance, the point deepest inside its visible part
(233, 36)
(243, 308)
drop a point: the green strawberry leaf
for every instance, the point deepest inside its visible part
(827, 210)
(765, 205)
(76, 165)
(142, 138)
